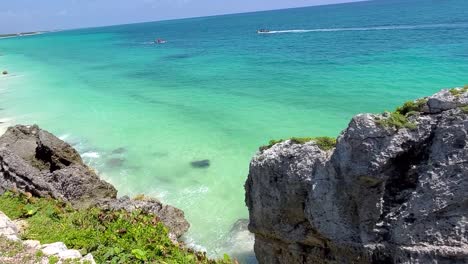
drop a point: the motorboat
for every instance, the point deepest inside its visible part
(263, 31)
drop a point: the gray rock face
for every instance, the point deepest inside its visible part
(33, 160)
(383, 195)
(8, 228)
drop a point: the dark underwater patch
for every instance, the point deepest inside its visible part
(177, 56)
(200, 164)
(119, 151)
(115, 163)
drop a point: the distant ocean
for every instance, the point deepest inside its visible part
(141, 113)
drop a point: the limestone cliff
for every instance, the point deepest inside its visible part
(394, 190)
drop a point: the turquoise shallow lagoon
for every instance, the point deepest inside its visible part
(140, 113)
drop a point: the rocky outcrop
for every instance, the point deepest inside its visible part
(35, 161)
(172, 217)
(385, 194)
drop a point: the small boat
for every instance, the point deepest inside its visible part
(160, 41)
(263, 31)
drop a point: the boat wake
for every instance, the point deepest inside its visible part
(401, 27)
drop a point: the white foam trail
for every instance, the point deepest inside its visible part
(402, 27)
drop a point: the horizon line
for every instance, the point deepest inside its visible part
(183, 18)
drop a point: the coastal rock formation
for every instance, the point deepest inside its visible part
(392, 191)
(172, 217)
(35, 161)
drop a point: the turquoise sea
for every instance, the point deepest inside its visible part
(140, 113)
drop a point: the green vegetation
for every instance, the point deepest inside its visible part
(324, 143)
(9, 248)
(396, 120)
(411, 106)
(399, 118)
(111, 236)
(12, 252)
(53, 260)
(458, 92)
(464, 109)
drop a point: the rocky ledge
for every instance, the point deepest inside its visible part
(35, 161)
(393, 190)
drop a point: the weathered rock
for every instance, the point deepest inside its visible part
(35, 161)
(8, 229)
(53, 248)
(69, 254)
(89, 259)
(35, 244)
(383, 195)
(172, 217)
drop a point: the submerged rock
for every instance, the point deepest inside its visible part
(383, 195)
(115, 163)
(240, 242)
(200, 163)
(119, 151)
(4, 72)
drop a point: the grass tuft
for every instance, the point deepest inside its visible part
(411, 106)
(324, 143)
(464, 109)
(399, 118)
(458, 92)
(396, 120)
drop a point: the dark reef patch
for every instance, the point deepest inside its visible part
(119, 151)
(115, 162)
(178, 56)
(160, 154)
(199, 164)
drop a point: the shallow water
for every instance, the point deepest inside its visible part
(142, 113)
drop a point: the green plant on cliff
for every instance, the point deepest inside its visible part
(464, 109)
(324, 143)
(457, 92)
(411, 106)
(111, 236)
(396, 120)
(399, 118)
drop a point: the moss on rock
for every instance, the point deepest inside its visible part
(324, 143)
